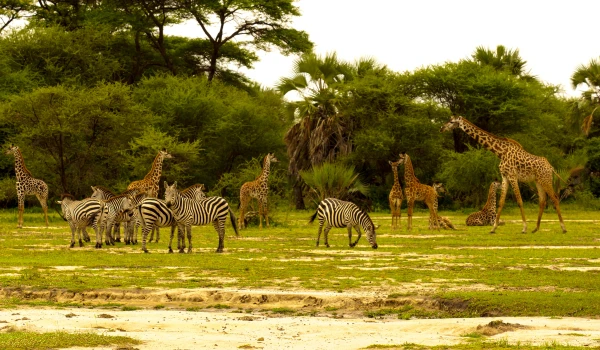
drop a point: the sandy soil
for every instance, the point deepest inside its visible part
(168, 329)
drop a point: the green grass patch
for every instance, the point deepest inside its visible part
(283, 311)
(51, 340)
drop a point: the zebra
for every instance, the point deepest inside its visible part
(153, 212)
(101, 192)
(190, 212)
(339, 213)
(117, 208)
(193, 192)
(79, 214)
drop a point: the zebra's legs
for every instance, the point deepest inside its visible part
(73, 229)
(171, 240)
(319, 233)
(188, 230)
(117, 232)
(357, 228)
(326, 233)
(220, 227)
(86, 236)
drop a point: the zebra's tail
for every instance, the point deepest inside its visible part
(312, 218)
(233, 222)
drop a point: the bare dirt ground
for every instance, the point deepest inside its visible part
(253, 326)
(168, 329)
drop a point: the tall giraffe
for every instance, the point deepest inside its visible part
(516, 165)
(27, 184)
(149, 184)
(396, 197)
(416, 191)
(258, 189)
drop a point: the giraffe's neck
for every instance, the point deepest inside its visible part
(155, 172)
(396, 179)
(21, 171)
(491, 200)
(264, 175)
(497, 145)
(409, 174)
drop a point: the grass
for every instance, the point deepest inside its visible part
(32, 340)
(463, 273)
(479, 344)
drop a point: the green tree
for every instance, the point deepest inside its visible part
(253, 24)
(333, 180)
(11, 10)
(73, 137)
(502, 60)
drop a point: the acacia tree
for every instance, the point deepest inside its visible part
(253, 24)
(11, 10)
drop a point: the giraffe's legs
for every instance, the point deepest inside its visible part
(21, 208)
(44, 203)
(265, 209)
(433, 216)
(542, 200)
(515, 186)
(547, 188)
(260, 213)
(501, 203)
(410, 204)
(244, 198)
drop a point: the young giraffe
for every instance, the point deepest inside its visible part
(416, 191)
(396, 197)
(258, 189)
(516, 165)
(444, 221)
(487, 215)
(27, 184)
(149, 184)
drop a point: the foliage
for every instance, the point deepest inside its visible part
(588, 75)
(70, 137)
(19, 339)
(11, 10)
(232, 125)
(333, 180)
(467, 176)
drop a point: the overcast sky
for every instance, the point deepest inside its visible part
(554, 37)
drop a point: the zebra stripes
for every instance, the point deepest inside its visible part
(337, 213)
(189, 212)
(153, 212)
(79, 214)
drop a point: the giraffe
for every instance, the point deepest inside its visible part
(258, 189)
(149, 184)
(516, 165)
(396, 197)
(416, 191)
(444, 221)
(487, 215)
(27, 185)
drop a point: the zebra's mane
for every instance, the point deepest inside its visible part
(117, 197)
(104, 189)
(66, 195)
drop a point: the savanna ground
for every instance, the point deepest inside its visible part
(273, 288)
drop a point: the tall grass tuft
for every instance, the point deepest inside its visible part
(333, 180)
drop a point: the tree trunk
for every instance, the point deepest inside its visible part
(298, 197)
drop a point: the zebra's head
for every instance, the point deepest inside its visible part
(171, 193)
(370, 232)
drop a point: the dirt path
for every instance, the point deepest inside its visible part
(170, 329)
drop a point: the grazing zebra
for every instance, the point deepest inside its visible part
(79, 214)
(190, 212)
(153, 212)
(117, 208)
(338, 213)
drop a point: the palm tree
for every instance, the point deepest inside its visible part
(320, 133)
(589, 75)
(502, 60)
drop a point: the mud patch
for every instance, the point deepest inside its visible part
(497, 327)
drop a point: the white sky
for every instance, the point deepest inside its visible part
(554, 37)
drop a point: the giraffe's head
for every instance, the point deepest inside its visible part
(439, 187)
(272, 158)
(12, 149)
(402, 158)
(497, 184)
(454, 122)
(165, 154)
(394, 164)
(171, 193)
